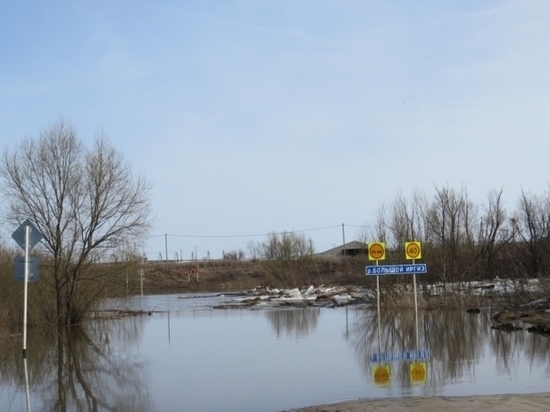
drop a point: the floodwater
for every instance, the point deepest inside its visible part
(186, 356)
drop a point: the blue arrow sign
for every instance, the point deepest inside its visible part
(396, 269)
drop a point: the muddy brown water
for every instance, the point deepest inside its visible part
(186, 356)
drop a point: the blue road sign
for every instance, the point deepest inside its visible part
(19, 262)
(34, 235)
(396, 269)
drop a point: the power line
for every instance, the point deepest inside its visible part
(248, 235)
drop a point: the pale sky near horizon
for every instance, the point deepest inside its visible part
(255, 116)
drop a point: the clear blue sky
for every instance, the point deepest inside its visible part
(256, 116)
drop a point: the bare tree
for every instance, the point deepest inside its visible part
(401, 222)
(532, 225)
(408, 219)
(288, 256)
(86, 202)
(493, 234)
(450, 220)
(377, 228)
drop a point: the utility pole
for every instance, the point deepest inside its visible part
(344, 241)
(166, 248)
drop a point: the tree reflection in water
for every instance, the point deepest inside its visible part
(457, 341)
(294, 322)
(86, 368)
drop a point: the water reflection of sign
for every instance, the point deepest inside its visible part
(377, 251)
(413, 250)
(406, 355)
(382, 375)
(396, 269)
(418, 373)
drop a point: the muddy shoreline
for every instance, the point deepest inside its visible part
(489, 403)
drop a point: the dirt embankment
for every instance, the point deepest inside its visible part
(244, 275)
(493, 403)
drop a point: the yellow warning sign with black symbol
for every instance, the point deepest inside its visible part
(418, 373)
(413, 250)
(382, 375)
(377, 251)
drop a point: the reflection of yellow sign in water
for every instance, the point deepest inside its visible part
(377, 251)
(382, 375)
(418, 373)
(413, 250)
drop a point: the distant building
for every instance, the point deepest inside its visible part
(354, 248)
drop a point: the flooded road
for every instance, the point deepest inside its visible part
(186, 356)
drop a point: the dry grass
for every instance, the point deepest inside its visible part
(247, 274)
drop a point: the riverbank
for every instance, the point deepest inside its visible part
(490, 403)
(233, 275)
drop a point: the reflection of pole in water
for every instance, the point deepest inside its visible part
(27, 385)
(141, 275)
(347, 329)
(168, 325)
(168, 307)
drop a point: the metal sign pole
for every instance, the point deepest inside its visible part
(415, 307)
(378, 312)
(26, 287)
(27, 236)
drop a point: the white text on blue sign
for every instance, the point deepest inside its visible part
(395, 269)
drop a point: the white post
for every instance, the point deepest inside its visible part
(27, 240)
(166, 247)
(378, 311)
(415, 307)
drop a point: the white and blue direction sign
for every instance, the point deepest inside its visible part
(406, 355)
(396, 269)
(19, 263)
